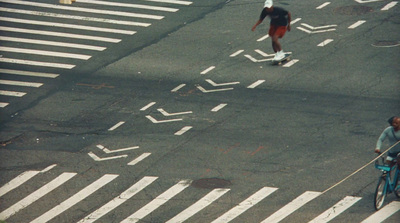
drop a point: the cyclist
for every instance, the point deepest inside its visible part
(393, 134)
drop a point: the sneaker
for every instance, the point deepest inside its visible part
(279, 56)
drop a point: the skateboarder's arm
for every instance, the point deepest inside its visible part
(255, 25)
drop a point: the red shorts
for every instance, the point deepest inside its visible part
(277, 30)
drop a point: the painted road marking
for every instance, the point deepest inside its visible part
(138, 159)
(256, 84)
(37, 63)
(147, 106)
(84, 18)
(294, 21)
(326, 42)
(162, 111)
(236, 53)
(97, 159)
(116, 126)
(3, 104)
(70, 26)
(12, 93)
(21, 83)
(198, 206)
(383, 213)
(336, 210)
(183, 130)
(222, 84)
(86, 10)
(357, 24)
(22, 178)
(318, 28)
(263, 53)
(153, 120)
(28, 200)
(179, 2)
(178, 88)
(290, 63)
(263, 38)
(52, 43)
(219, 107)
(157, 202)
(323, 5)
(65, 205)
(208, 70)
(209, 91)
(59, 34)
(245, 205)
(45, 53)
(389, 6)
(117, 201)
(104, 149)
(292, 207)
(127, 5)
(28, 73)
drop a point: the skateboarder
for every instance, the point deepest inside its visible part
(280, 22)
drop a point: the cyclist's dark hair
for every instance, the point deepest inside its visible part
(390, 120)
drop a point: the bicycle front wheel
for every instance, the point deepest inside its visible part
(380, 193)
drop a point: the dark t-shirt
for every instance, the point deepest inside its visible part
(278, 16)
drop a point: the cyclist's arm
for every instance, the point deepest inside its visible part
(381, 138)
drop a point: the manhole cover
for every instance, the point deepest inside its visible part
(353, 10)
(386, 43)
(211, 183)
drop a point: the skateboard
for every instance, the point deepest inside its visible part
(286, 58)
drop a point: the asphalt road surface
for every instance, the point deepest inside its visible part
(170, 111)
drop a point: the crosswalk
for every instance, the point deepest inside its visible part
(41, 40)
(208, 199)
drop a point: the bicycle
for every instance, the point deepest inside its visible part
(386, 183)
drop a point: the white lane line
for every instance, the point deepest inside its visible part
(245, 205)
(3, 104)
(219, 107)
(37, 63)
(222, 84)
(28, 200)
(127, 5)
(117, 201)
(323, 5)
(389, 6)
(292, 207)
(290, 63)
(65, 205)
(116, 126)
(198, 206)
(294, 21)
(28, 73)
(104, 149)
(157, 202)
(263, 38)
(64, 25)
(86, 10)
(208, 70)
(138, 159)
(45, 53)
(98, 159)
(12, 93)
(20, 83)
(183, 130)
(262, 53)
(59, 34)
(357, 24)
(153, 120)
(147, 106)
(22, 178)
(52, 43)
(178, 2)
(236, 53)
(326, 42)
(384, 213)
(16, 182)
(83, 18)
(336, 210)
(162, 111)
(178, 88)
(255, 84)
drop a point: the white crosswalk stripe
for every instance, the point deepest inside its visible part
(24, 22)
(209, 197)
